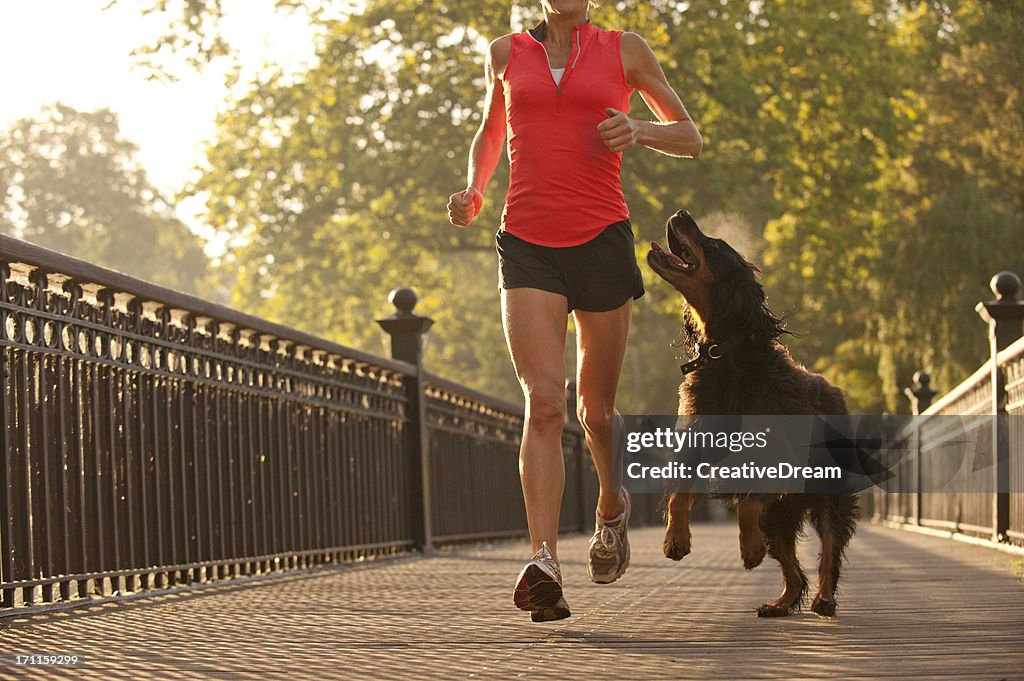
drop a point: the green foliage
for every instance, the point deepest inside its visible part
(70, 183)
(332, 189)
(888, 270)
(864, 153)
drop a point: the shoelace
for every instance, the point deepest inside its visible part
(608, 540)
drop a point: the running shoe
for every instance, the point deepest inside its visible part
(539, 588)
(609, 547)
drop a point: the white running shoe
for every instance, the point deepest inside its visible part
(609, 547)
(539, 588)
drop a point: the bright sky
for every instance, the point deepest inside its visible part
(74, 52)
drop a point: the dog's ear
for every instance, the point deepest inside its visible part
(739, 303)
(744, 307)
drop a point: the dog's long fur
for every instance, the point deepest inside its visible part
(726, 304)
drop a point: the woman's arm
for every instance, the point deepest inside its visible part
(489, 140)
(675, 133)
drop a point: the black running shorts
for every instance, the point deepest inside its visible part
(596, 276)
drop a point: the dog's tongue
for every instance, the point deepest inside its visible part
(655, 246)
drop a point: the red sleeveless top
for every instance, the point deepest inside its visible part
(564, 184)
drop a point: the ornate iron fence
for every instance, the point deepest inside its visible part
(997, 388)
(155, 440)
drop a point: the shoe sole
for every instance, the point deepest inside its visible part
(556, 612)
(536, 590)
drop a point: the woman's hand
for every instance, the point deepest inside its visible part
(464, 206)
(619, 131)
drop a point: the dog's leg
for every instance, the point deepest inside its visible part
(781, 526)
(834, 521)
(677, 536)
(824, 602)
(752, 548)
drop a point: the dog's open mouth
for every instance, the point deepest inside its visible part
(684, 261)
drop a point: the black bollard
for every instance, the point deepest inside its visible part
(1005, 318)
(406, 330)
(921, 394)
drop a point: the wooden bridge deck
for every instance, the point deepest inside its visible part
(913, 607)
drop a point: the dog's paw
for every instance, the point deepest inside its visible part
(823, 608)
(752, 555)
(773, 610)
(675, 549)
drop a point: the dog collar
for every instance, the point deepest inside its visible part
(708, 352)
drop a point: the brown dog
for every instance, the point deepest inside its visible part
(742, 368)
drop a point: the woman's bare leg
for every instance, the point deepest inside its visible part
(535, 329)
(600, 348)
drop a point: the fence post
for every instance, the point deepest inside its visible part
(921, 394)
(406, 330)
(920, 399)
(1005, 318)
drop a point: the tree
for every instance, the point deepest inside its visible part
(70, 182)
(332, 189)
(896, 277)
(831, 151)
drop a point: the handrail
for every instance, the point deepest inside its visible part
(17, 251)
(1012, 352)
(969, 384)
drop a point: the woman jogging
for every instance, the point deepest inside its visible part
(560, 94)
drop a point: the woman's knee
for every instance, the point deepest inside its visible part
(595, 419)
(545, 407)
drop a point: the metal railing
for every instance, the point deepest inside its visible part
(480, 487)
(996, 388)
(1013, 362)
(154, 440)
